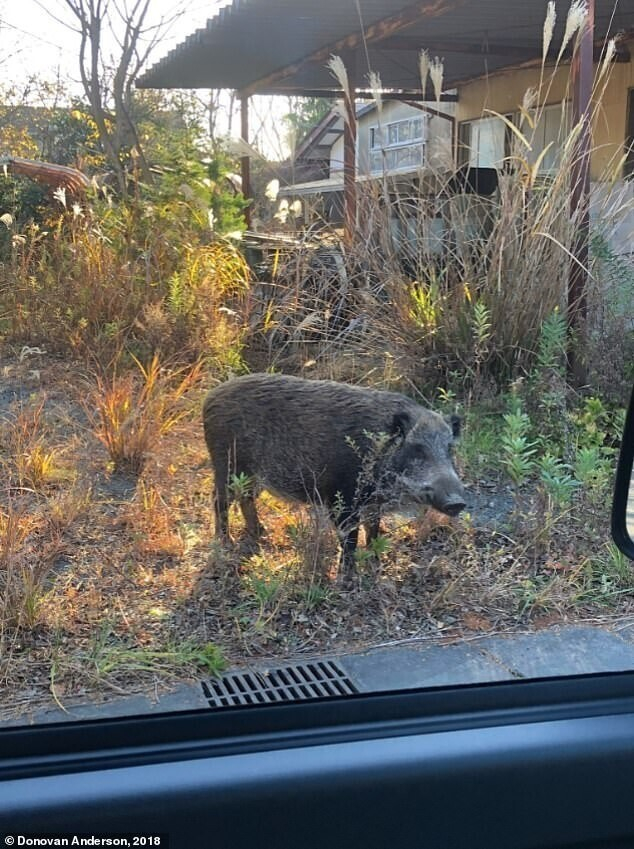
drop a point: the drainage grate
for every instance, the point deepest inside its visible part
(316, 679)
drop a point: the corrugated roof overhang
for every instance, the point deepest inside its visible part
(283, 45)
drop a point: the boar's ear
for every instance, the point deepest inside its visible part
(401, 423)
(455, 423)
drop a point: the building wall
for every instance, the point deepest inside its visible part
(503, 92)
(439, 155)
(336, 158)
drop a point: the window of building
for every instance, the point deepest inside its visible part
(551, 128)
(483, 143)
(488, 142)
(398, 146)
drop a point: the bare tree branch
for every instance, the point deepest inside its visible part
(109, 84)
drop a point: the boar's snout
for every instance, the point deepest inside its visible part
(448, 495)
(445, 493)
(453, 506)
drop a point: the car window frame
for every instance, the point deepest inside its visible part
(624, 471)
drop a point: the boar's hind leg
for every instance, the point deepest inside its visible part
(255, 529)
(221, 499)
(221, 512)
(347, 522)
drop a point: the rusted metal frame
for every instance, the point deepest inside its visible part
(362, 94)
(582, 72)
(423, 108)
(49, 173)
(598, 51)
(245, 161)
(413, 43)
(381, 29)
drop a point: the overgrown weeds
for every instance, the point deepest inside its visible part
(98, 280)
(443, 287)
(131, 412)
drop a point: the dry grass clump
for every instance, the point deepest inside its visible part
(151, 522)
(132, 411)
(30, 462)
(318, 317)
(30, 535)
(20, 577)
(382, 310)
(101, 279)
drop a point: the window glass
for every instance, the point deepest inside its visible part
(405, 147)
(436, 511)
(485, 143)
(551, 127)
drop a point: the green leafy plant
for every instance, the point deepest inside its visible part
(592, 423)
(315, 596)
(241, 486)
(517, 449)
(551, 350)
(379, 546)
(556, 478)
(592, 468)
(481, 323)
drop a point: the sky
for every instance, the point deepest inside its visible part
(35, 42)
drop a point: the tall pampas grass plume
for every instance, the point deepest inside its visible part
(577, 15)
(436, 73)
(338, 70)
(374, 81)
(549, 28)
(423, 64)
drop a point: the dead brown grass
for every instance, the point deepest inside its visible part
(131, 412)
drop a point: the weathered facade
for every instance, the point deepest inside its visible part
(399, 141)
(483, 136)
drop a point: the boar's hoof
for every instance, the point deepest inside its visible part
(250, 545)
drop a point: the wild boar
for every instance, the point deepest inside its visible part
(358, 451)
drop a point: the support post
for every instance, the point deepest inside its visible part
(582, 70)
(350, 156)
(245, 161)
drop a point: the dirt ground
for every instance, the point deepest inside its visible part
(127, 592)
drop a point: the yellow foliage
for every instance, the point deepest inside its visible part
(16, 141)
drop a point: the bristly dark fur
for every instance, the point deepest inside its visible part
(310, 440)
